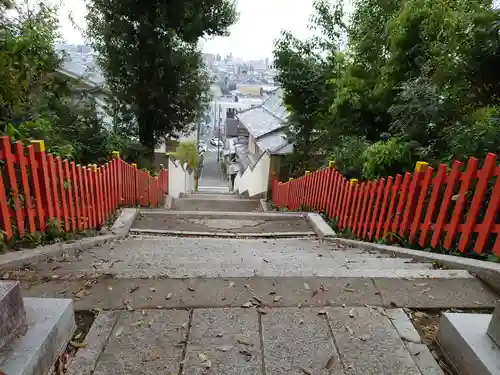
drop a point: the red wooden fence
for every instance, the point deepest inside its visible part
(457, 208)
(36, 188)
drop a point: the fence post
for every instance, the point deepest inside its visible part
(43, 180)
(305, 195)
(412, 197)
(119, 177)
(136, 187)
(289, 185)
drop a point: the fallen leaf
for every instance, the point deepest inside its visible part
(135, 324)
(322, 312)
(258, 299)
(169, 295)
(219, 335)
(272, 293)
(243, 342)
(133, 288)
(191, 289)
(202, 357)
(301, 321)
(265, 260)
(315, 292)
(152, 289)
(207, 364)
(247, 354)
(351, 314)
(323, 289)
(306, 286)
(80, 294)
(110, 288)
(247, 304)
(129, 308)
(184, 325)
(119, 331)
(363, 338)
(277, 298)
(349, 330)
(299, 305)
(78, 345)
(224, 348)
(349, 290)
(330, 362)
(55, 277)
(420, 284)
(426, 290)
(231, 284)
(305, 371)
(262, 311)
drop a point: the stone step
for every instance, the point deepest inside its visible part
(424, 289)
(12, 313)
(214, 196)
(231, 205)
(213, 190)
(465, 342)
(50, 325)
(494, 327)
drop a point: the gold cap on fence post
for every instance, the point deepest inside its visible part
(331, 164)
(134, 165)
(161, 166)
(353, 181)
(290, 179)
(308, 173)
(116, 154)
(93, 167)
(39, 145)
(421, 166)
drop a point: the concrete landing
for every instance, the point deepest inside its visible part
(340, 341)
(50, 325)
(12, 313)
(212, 225)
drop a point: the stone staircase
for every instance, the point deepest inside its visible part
(33, 331)
(215, 285)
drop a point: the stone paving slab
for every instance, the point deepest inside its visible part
(227, 341)
(230, 225)
(177, 257)
(368, 343)
(109, 293)
(436, 293)
(330, 341)
(298, 340)
(149, 342)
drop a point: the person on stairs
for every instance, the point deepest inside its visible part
(233, 170)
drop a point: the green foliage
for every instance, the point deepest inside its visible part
(186, 153)
(149, 54)
(417, 80)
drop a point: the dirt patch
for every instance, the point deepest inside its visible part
(83, 320)
(426, 322)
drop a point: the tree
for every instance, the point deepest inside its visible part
(149, 56)
(305, 71)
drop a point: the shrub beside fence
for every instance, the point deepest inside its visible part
(457, 208)
(37, 188)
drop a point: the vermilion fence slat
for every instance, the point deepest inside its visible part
(466, 180)
(83, 199)
(68, 186)
(44, 180)
(383, 210)
(436, 187)
(6, 222)
(369, 211)
(484, 176)
(357, 211)
(450, 185)
(352, 210)
(39, 213)
(362, 217)
(86, 194)
(424, 190)
(408, 211)
(376, 216)
(392, 206)
(28, 202)
(62, 193)
(76, 195)
(489, 220)
(13, 199)
(51, 166)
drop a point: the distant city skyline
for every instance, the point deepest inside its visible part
(251, 38)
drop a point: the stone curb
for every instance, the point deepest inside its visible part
(230, 215)
(23, 258)
(263, 205)
(488, 272)
(97, 338)
(320, 227)
(124, 222)
(221, 234)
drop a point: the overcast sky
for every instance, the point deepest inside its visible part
(251, 37)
